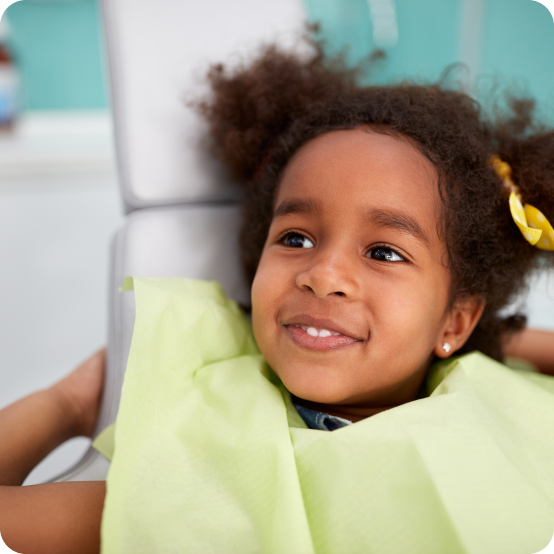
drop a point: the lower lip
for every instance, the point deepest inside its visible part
(334, 342)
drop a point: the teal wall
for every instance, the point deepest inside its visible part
(58, 49)
(517, 41)
(59, 45)
(518, 46)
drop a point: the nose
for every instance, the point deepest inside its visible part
(329, 274)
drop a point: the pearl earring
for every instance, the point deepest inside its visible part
(446, 347)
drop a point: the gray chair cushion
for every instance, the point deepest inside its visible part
(195, 241)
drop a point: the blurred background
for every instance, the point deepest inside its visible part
(59, 199)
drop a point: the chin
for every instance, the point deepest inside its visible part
(315, 386)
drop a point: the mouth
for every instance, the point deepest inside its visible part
(317, 334)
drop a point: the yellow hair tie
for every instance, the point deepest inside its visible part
(533, 225)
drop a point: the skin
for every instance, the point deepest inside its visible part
(535, 346)
(332, 201)
(397, 313)
(59, 517)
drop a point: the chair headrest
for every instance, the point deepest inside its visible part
(158, 54)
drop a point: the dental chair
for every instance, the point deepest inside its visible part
(182, 211)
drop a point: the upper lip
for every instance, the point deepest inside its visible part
(320, 323)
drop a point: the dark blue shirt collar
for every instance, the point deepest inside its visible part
(320, 420)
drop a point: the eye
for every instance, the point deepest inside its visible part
(384, 254)
(296, 240)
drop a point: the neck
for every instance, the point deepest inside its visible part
(352, 413)
(357, 412)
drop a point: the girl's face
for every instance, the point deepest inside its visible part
(351, 294)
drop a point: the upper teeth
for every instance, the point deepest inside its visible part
(313, 332)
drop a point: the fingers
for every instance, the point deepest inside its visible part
(81, 390)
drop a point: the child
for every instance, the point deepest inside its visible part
(378, 238)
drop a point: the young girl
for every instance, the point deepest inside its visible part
(378, 237)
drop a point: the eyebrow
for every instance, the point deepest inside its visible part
(296, 206)
(397, 220)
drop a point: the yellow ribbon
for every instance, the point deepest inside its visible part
(533, 225)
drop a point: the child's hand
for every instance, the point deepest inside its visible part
(81, 391)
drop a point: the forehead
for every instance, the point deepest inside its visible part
(360, 169)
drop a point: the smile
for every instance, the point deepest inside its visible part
(318, 338)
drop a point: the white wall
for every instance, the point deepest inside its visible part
(59, 209)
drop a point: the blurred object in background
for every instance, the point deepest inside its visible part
(384, 22)
(9, 81)
(58, 151)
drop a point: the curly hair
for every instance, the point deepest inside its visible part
(262, 112)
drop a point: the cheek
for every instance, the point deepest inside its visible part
(265, 292)
(411, 313)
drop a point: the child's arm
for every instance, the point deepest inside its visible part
(58, 517)
(534, 346)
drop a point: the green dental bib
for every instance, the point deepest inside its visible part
(211, 456)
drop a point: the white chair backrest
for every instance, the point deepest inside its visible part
(159, 52)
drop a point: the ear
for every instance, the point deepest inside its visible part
(458, 325)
